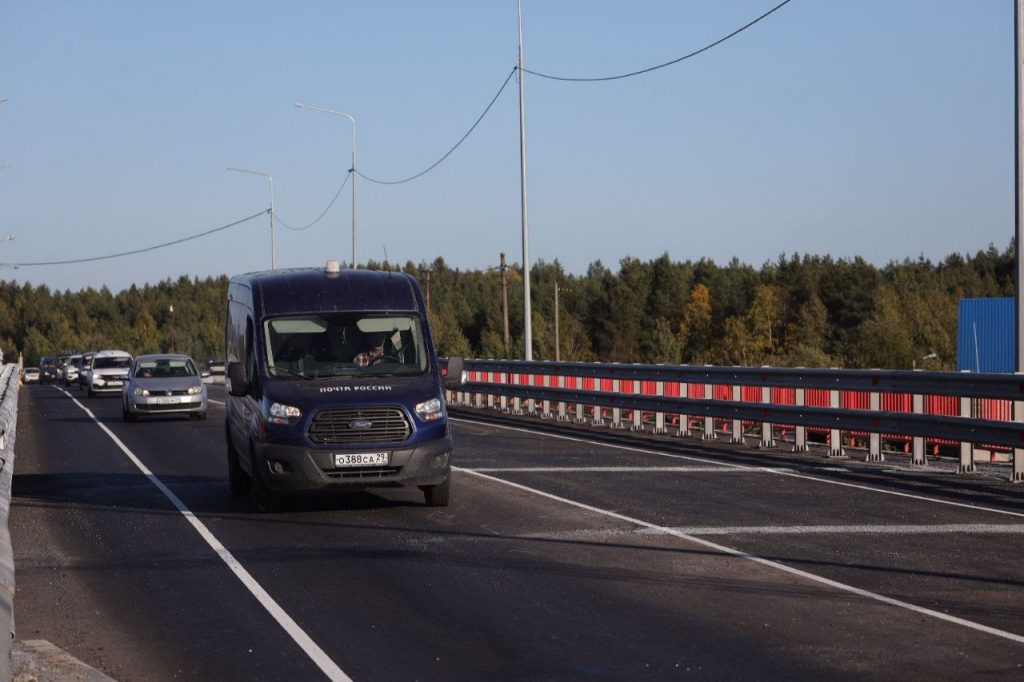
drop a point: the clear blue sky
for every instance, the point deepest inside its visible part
(879, 128)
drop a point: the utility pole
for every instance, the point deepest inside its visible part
(558, 355)
(1018, 38)
(504, 299)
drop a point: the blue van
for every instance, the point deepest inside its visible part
(333, 384)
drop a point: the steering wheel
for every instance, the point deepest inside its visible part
(385, 358)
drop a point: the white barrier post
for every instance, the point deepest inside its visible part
(874, 438)
(517, 402)
(504, 398)
(638, 415)
(709, 422)
(563, 415)
(800, 435)
(966, 449)
(598, 415)
(490, 394)
(1018, 453)
(545, 410)
(737, 425)
(659, 417)
(684, 419)
(918, 442)
(835, 448)
(767, 437)
(616, 411)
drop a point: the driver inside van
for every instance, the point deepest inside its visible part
(375, 343)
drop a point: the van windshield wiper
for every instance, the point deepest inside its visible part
(276, 369)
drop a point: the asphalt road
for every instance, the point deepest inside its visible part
(561, 557)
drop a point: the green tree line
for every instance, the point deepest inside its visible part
(809, 311)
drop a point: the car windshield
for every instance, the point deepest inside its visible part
(112, 363)
(165, 368)
(344, 344)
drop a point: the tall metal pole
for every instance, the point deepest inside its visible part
(352, 170)
(273, 246)
(527, 313)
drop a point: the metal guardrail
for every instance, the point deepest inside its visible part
(505, 380)
(8, 424)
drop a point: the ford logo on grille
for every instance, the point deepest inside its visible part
(360, 424)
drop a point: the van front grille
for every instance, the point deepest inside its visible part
(340, 426)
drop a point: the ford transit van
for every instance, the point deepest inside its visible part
(333, 384)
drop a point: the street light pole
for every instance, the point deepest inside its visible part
(300, 105)
(273, 247)
(527, 313)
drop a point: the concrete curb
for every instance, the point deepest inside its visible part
(8, 424)
(37, 660)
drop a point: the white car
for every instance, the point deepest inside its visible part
(71, 369)
(109, 372)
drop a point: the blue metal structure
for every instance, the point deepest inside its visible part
(986, 335)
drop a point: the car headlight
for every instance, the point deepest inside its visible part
(429, 410)
(195, 390)
(98, 381)
(280, 414)
(141, 391)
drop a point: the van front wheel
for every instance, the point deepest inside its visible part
(440, 494)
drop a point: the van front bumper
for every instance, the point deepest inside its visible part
(288, 468)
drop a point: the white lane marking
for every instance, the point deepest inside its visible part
(772, 470)
(617, 470)
(305, 642)
(937, 529)
(211, 400)
(760, 560)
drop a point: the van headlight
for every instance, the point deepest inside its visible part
(430, 410)
(280, 414)
(141, 391)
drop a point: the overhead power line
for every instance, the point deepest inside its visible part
(661, 66)
(449, 152)
(322, 214)
(142, 250)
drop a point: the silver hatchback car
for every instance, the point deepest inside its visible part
(164, 384)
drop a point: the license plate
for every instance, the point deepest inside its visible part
(113, 382)
(362, 459)
(173, 400)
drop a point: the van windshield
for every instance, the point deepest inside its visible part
(344, 344)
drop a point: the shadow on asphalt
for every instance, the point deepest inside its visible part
(132, 493)
(936, 479)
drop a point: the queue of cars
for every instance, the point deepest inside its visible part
(164, 383)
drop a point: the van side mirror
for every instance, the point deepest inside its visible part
(456, 375)
(236, 376)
